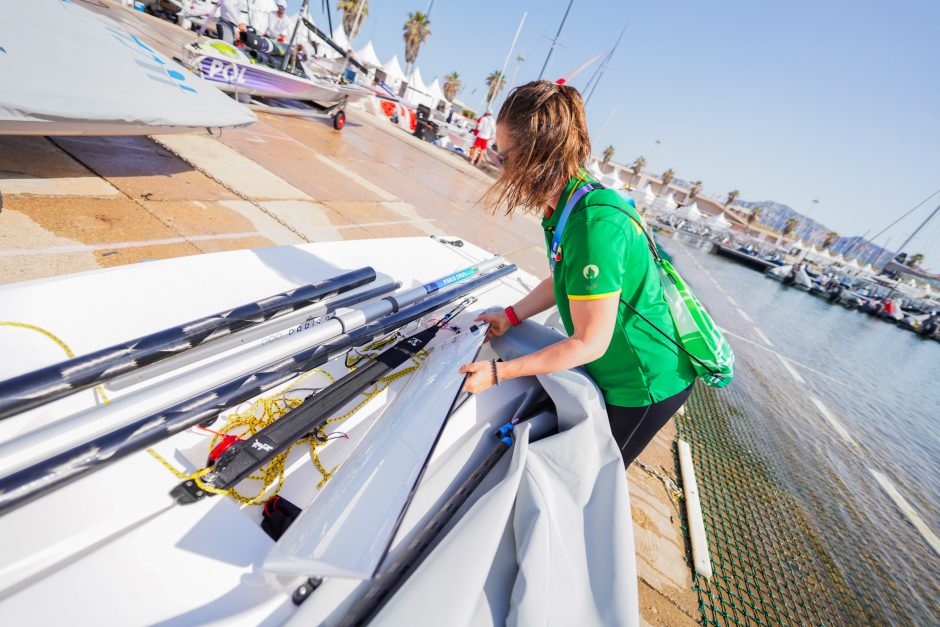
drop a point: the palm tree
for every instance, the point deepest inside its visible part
(696, 188)
(914, 261)
(755, 213)
(494, 84)
(831, 238)
(416, 31)
(637, 166)
(668, 175)
(608, 155)
(790, 226)
(452, 84)
(350, 9)
(732, 196)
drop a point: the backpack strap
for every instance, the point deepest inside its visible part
(657, 258)
(555, 251)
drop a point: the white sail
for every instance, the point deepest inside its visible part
(111, 84)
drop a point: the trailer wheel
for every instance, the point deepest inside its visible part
(339, 121)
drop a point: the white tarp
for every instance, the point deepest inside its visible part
(544, 544)
(366, 55)
(328, 539)
(106, 82)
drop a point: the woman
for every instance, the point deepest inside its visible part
(603, 263)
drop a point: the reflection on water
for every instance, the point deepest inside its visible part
(881, 382)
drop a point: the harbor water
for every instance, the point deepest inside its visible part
(846, 408)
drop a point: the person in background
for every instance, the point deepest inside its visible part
(232, 20)
(279, 27)
(484, 131)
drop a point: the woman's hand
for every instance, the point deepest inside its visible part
(479, 376)
(498, 321)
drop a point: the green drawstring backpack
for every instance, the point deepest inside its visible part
(699, 337)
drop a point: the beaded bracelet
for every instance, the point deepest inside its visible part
(494, 371)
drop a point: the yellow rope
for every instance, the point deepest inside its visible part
(352, 360)
(54, 338)
(262, 412)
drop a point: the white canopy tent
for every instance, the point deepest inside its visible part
(393, 72)
(418, 91)
(612, 181)
(689, 212)
(366, 56)
(437, 93)
(594, 169)
(417, 81)
(339, 36)
(669, 203)
(824, 257)
(644, 196)
(719, 222)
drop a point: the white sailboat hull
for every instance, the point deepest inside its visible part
(114, 549)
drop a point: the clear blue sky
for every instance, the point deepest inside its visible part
(788, 101)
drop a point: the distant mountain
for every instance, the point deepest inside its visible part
(775, 215)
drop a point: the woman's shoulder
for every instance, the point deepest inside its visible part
(605, 205)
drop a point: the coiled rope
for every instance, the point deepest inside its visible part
(262, 412)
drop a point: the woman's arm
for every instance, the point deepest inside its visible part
(538, 300)
(593, 322)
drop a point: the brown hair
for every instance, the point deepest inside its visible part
(550, 145)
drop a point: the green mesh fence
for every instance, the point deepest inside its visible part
(770, 567)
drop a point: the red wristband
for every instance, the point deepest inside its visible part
(513, 318)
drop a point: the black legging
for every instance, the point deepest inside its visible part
(634, 427)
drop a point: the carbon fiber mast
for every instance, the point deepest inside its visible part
(56, 471)
(51, 383)
(243, 458)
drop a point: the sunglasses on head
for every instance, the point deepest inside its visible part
(502, 156)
